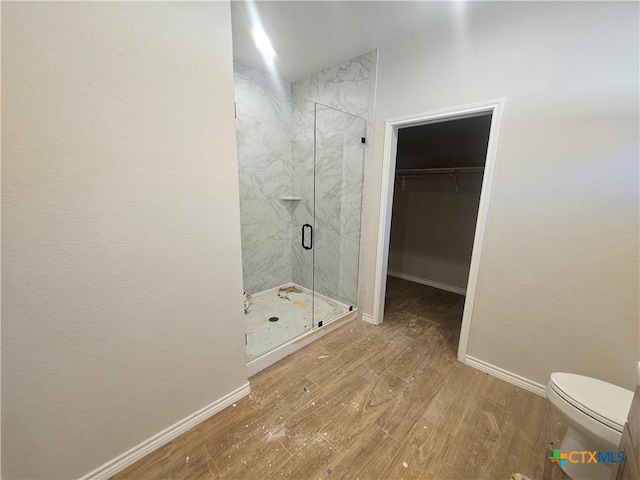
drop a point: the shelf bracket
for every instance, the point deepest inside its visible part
(455, 181)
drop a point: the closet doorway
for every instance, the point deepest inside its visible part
(437, 176)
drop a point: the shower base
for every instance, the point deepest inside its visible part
(294, 318)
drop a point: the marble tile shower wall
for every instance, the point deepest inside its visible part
(302, 170)
(348, 87)
(344, 86)
(263, 126)
(275, 128)
(338, 203)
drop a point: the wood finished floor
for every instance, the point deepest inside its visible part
(381, 402)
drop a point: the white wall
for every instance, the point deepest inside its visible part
(558, 286)
(121, 299)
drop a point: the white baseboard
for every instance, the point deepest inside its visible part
(430, 283)
(139, 451)
(506, 375)
(368, 318)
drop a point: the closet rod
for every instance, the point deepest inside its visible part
(402, 174)
(414, 172)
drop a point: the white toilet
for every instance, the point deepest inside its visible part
(596, 412)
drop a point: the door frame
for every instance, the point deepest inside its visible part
(496, 108)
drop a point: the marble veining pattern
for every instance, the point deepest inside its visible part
(344, 86)
(263, 126)
(290, 145)
(342, 173)
(338, 196)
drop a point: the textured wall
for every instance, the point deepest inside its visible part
(121, 310)
(558, 286)
(263, 125)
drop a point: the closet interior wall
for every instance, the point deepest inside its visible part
(434, 216)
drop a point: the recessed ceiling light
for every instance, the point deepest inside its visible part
(263, 43)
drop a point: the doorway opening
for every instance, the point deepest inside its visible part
(436, 186)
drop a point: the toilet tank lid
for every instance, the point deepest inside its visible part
(595, 397)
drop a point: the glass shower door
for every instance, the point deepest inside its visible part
(301, 169)
(338, 179)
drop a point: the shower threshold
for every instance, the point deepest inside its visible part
(269, 340)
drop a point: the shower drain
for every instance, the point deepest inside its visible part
(273, 319)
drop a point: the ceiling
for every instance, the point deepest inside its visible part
(309, 36)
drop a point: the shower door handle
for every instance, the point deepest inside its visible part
(304, 227)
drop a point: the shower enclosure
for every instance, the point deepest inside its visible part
(301, 201)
